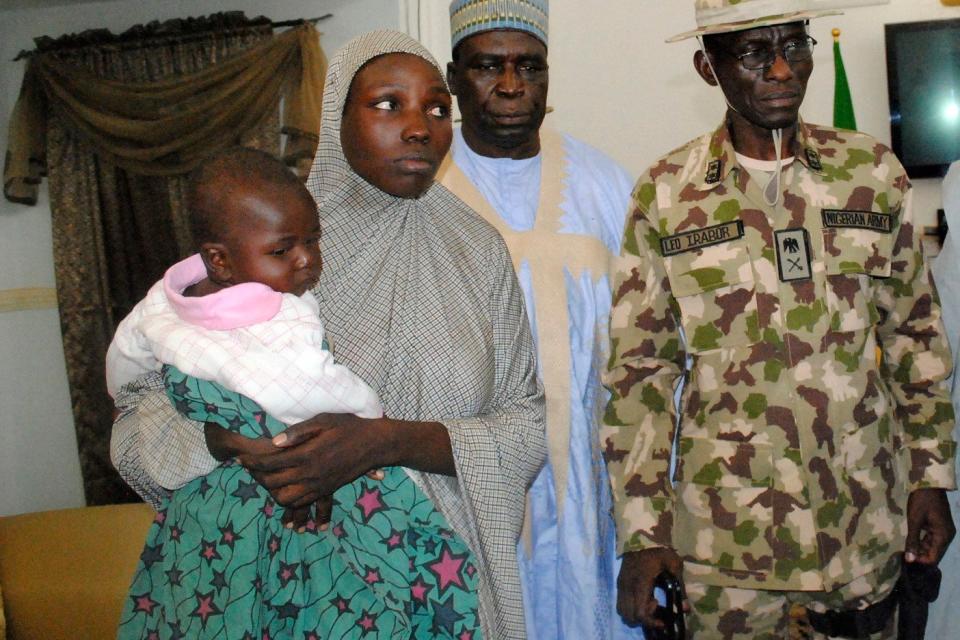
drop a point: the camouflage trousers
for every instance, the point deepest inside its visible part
(729, 613)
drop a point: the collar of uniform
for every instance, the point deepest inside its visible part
(810, 156)
(720, 157)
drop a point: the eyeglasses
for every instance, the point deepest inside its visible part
(763, 57)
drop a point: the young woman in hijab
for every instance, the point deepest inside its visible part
(419, 298)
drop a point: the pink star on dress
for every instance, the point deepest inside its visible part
(419, 589)
(205, 607)
(447, 569)
(367, 622)
(268, 509)
(144, 603)
(372, 577)
(466, 634)
(274, 544)
(209, 551)
(370, 502)
(161, 517)
(394, 541)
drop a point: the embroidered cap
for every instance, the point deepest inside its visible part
(724, 16)
(469, 17)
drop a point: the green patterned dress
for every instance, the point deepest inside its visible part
(218, 563)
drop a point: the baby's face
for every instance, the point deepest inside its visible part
(274, 239)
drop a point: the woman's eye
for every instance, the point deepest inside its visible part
(278, 252)
(440, 111)
(386, 105)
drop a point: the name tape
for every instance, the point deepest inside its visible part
(699, 238)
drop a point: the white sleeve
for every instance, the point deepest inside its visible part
(281, 364)
(129, 355)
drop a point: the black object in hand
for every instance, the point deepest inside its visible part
(670, 614)
(919, 585)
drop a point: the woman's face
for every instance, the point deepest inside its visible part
(396, 124)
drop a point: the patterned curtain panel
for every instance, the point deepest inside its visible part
(115, 231)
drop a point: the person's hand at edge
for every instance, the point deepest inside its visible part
(636, 603)
(930, 526)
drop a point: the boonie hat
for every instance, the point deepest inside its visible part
(470, 17)
(724, 16)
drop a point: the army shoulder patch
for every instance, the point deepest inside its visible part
(793, 254)
(848, 219)
(699, 238)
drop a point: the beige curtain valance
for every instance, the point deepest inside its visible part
(165, 127)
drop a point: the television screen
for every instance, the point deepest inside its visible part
(923, 73)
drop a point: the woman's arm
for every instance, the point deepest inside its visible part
(154, 448)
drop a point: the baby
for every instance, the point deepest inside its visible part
(238, 337)
(238, 313)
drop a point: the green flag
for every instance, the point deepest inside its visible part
(843, 116)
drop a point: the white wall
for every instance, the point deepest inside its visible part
(39, 468)
(614, 82)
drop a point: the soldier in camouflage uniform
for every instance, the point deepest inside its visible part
(763, 265)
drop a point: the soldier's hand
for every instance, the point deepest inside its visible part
(635, 601)
(930, 526)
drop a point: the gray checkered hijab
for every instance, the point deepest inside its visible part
(419, 298)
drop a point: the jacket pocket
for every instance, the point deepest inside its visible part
(874, 495)
(853, 259)
(724, 509)
(716, 294)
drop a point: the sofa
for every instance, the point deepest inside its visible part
(65, 574)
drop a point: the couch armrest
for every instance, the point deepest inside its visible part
(65, 574)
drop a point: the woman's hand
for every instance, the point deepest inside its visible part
(300, 518)
(314, 458)
(224, 444)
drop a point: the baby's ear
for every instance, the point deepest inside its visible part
(216, 258)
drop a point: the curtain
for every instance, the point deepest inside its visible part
(115, 122)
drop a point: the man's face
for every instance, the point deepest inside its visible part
(769, 98)
(500, 79)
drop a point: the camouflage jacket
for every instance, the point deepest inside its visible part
(799, 440)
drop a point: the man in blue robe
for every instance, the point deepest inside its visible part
(560, 205)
